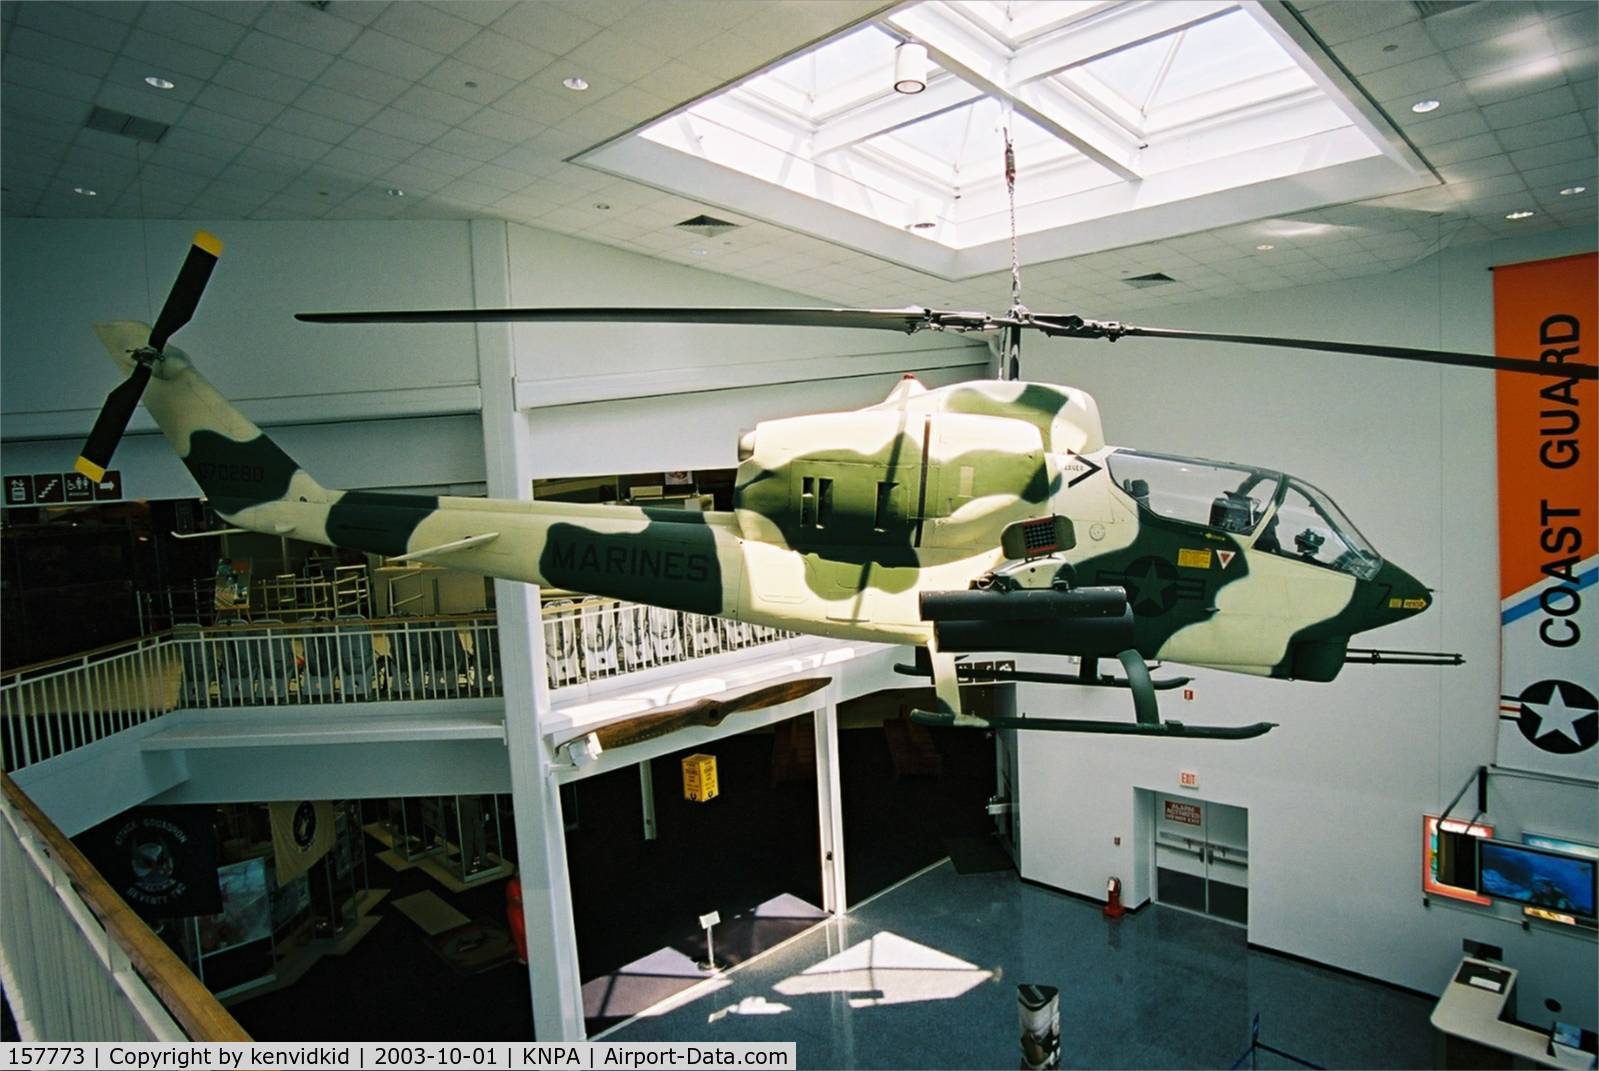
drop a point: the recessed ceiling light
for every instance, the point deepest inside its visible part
(700, 252)
(1571, 190)
(1264, 247)
(602, 206)
(575, 83)
(84, 191)
(159, 82)
(1523, 214)
(395, 191)
(1422, 107)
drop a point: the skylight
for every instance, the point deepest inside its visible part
(1131, 121)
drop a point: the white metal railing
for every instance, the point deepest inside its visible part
(76, 963)
(55, 707)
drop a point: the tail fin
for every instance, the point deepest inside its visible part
(236, 465)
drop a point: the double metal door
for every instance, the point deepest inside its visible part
(1202, 856)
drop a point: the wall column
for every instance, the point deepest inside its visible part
(535, 796)
(829, 804)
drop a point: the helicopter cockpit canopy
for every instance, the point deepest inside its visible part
(1283, 515)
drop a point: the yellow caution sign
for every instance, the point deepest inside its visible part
(699, 778)
(1193, 559)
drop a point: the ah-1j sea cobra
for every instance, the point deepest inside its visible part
(983, 516)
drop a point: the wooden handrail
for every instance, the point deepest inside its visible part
(189, 1002)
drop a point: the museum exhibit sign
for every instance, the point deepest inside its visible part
(1548, 486)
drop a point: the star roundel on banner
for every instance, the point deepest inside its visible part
(1558, 716)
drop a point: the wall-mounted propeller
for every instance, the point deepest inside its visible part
(909, 320)
(124, 399)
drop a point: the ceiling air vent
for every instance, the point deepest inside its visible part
(1428, 8)
(1144, 282)
(129, 126)
(707, 226)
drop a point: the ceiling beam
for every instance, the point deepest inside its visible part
(988, 70)
(891, 113)
(1114, 31)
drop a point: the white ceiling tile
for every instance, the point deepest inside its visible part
(540, 103)
(303, 24)
(258, 81)
(388, 53)
(1388, 48)
(727, 56)
(1501, 50)
(281, 57)
(356, 162)
(432, 104)
(502, 125)
(1409, 78)
(342, 107)
(473, 193)
(613, 57)
(472, 146)
(171, 59)
(426, 25)
(1453, 29)
(1542, 132)
(1446, 127)
(81, 25)
(1559, 152)
(244, 177)
(239, 105)
(144, 105)
(481, 12)
(197, 144)
(1452, 152)
(276, 140)
(209, 161)
(436, 159)
(504, 56)
(187, 24)
(46, 81)
(1336, 23)
(207, 123)
(1480, 189)
(1531, 108)
(359, 80)
(121, 10)
(413, 128)
(503, 179)
(1559, 176)
(1471, 170)
(545, 26)
(375, 143)
(416, 180)
(1512, 82)
(34, 45)
(361, 12)
(468, 81)
(310, 125)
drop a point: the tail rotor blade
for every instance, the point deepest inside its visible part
(186, 291)
(111, 423)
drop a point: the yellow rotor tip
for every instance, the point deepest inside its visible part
(209, 242)
(89, 469)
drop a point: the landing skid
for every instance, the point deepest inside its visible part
(1146, 711)
(1168, 729)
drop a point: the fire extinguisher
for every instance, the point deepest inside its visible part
(1113, 899)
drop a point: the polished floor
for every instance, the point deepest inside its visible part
(925, 976)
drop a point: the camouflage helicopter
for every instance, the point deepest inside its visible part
(980, 517)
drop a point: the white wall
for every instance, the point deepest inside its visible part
(699, 429)
(413, 388)
(1336, 794)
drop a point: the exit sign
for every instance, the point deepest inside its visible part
(1187, 779)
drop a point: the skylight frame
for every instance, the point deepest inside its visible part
(856, 143)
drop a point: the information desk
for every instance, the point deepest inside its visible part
(1475, 1022)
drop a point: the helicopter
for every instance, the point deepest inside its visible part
(985, 516)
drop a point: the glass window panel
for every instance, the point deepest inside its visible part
(1229, 498)
(1308, 527)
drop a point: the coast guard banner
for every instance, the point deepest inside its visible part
(1548, 532)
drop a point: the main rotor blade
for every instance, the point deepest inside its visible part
(1366, 349)
(186, 289)
(111, 423)
(906, 320)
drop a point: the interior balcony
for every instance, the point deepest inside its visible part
(379, 708)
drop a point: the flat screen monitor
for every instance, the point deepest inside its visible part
(1536, 877)
(1558, 844)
